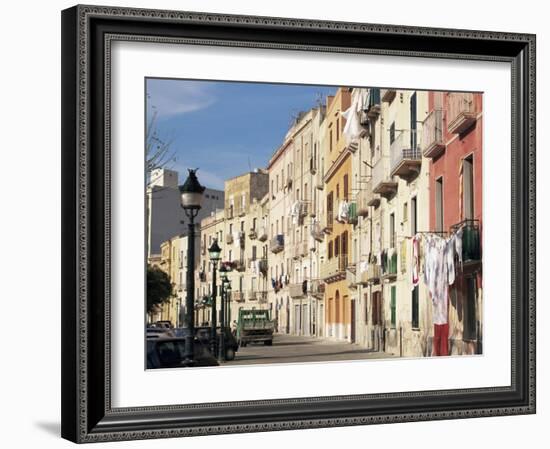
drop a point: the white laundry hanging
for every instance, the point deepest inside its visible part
(343, 211)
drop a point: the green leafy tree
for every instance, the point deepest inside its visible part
(159, 288)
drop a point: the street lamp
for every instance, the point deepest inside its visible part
(223, 277)
(226, 299)
(227, 304)
(191, 198)
(215, 255)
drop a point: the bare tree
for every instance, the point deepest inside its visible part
(158, 152)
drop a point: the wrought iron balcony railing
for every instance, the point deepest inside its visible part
(406, 157)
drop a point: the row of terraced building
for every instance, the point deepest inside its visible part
(334, 233)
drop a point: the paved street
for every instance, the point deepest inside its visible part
(287, 348)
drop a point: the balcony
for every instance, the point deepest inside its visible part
(389, 272)
(382, 182)
(388, 95)
(351, 278)
(334, 269)
(237, 296)
(263, 266)
(252, 295)
(241, 211)
(471, 241)
(406, 157)
(277, 244)
(461, 112)
(239, 265)
(253, 234)
(371, 276)
(372, 199)
(262, 235)
(316, 287)
(363, 202)
(329, 219)
(229, 239)
(317, 233)
(297, 290)
(300, 250)
(433, 143)
(229, 213)
(261, 297)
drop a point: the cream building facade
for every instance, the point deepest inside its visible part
(244, 244)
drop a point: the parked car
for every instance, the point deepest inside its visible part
(167, 352)
(157, 332)
(231, 345)
(167, 324)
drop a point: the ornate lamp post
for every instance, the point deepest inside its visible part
(227, 302)
(191, 199)
(223, 324)
(215, 255)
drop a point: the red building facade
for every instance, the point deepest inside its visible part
(452, 140)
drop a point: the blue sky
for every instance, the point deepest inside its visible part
(225, 128)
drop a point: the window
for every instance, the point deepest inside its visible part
(272, 187)
(337, 129)
(414, 318)
(345, 243)
(330, 141)
(392, 230)
(470, 306)
(376, 309)
(366, 300)
(330, 250)
(414, 228)
(254, 223)
(305, 191)
(336, 246)
(277, 183)
(231, 228)
(242, 225)
(392, 132)
(468, 188)
(393, 305)
(439, 204)
(346, 187)
(330, 208)
(254, 252)
(405, 212)
(230, 256)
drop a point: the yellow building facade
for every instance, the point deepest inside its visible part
(340, 309)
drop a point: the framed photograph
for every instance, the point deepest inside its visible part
(276, 224)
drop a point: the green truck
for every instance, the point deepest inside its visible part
(255, 325)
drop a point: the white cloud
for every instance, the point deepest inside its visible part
(175, 97)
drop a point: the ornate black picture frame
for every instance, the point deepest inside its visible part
(87, 34)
